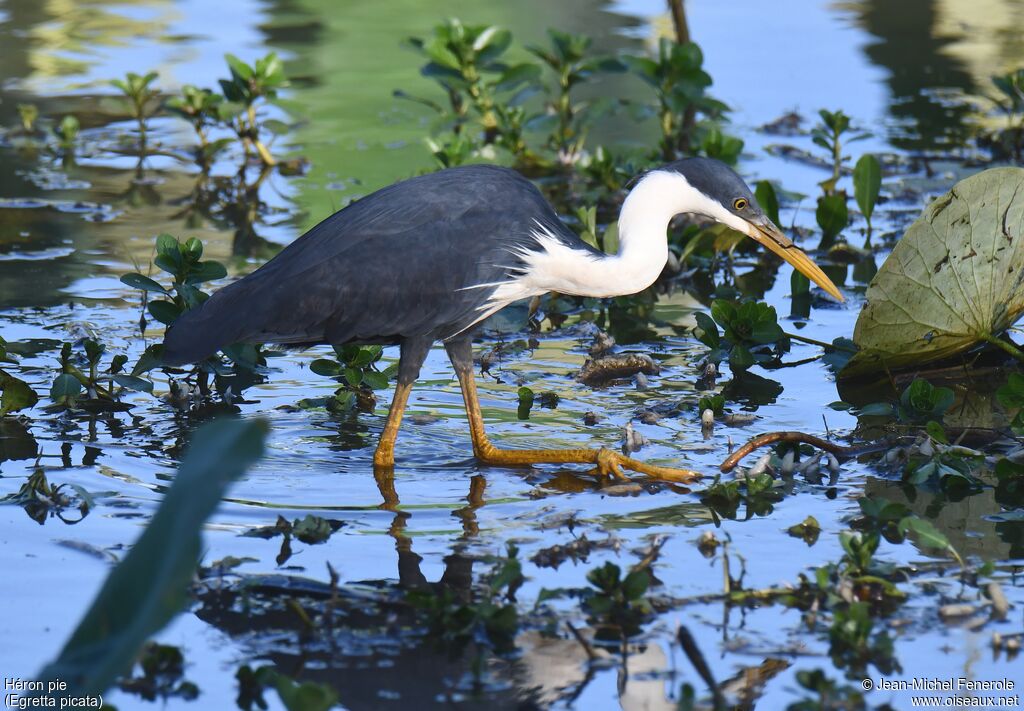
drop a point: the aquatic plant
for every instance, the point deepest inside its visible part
(163, 675)
(680, 85)
(832, 133)
(91, 388)
(15, 394)
(142, 98)
(295, 696)
(867, 184)
(830, 694)
(40, 499)
(832, 216)
(184, 263)
(28, 113)
(490, 619)
(355, 367)
(1011, 397)
(950, 283)
(67, 133)
(714, 143)
(1010, 140)
(247, 86)
(150, 584)
(310, 530)
(453, 149)
(202, 109)
(467, 62)
(750, 333)
(617, 604)
(855, 642)
(567, 58)
(189, 271)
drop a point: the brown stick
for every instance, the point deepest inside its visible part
(679, 21)
(772, 437)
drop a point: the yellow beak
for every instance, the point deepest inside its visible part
(770, 236)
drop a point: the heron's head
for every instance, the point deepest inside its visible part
(713, 190)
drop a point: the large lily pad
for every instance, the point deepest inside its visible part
(953, 280)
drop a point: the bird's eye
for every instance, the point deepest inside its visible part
(739, 204)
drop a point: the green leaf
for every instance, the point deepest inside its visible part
(163, 311)
(768, 200)
(138, 281)
(326, 367)
(151, 358)
(516, 75)
(150, 585)
(955, 279)
(366, 355)
(708, 330)
(766, 332)
(353, 376)
(799, 284)
(809, 530)
(715, 403)
(342, 401)
(832, 215)
(16, 394)
(305, 696)
(206, 271)
(375, 380)
(740, 358)
(1011, 395)
(867, 181)
(877, 409)
(192, 249)
(635, 584)
(882, 510)
(936, 432)
(925, 535)
(134, 383)
(238, 67)
(526, 398)
(312, 529)
(168, 246)
(65, 390)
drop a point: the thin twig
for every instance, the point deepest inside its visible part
(815, 342)
(772, 437)
(682, 28)
(591, 654)
(652, 555)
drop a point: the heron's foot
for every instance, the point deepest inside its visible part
(608, 464)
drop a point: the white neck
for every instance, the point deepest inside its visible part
(643, 247)
(643, 243)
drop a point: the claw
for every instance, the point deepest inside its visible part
(677, 476)
(608, 464)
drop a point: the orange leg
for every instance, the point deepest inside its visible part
(385, 454)
(413, 353)
(607, 462)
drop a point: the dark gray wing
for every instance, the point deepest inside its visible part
(391, 265)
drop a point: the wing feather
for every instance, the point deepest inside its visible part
(391, 265)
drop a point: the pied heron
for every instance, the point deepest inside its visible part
(427, 259)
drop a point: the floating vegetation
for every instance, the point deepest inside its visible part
(952, 282)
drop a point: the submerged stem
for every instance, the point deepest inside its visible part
(1005, 345)
(823, 344)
